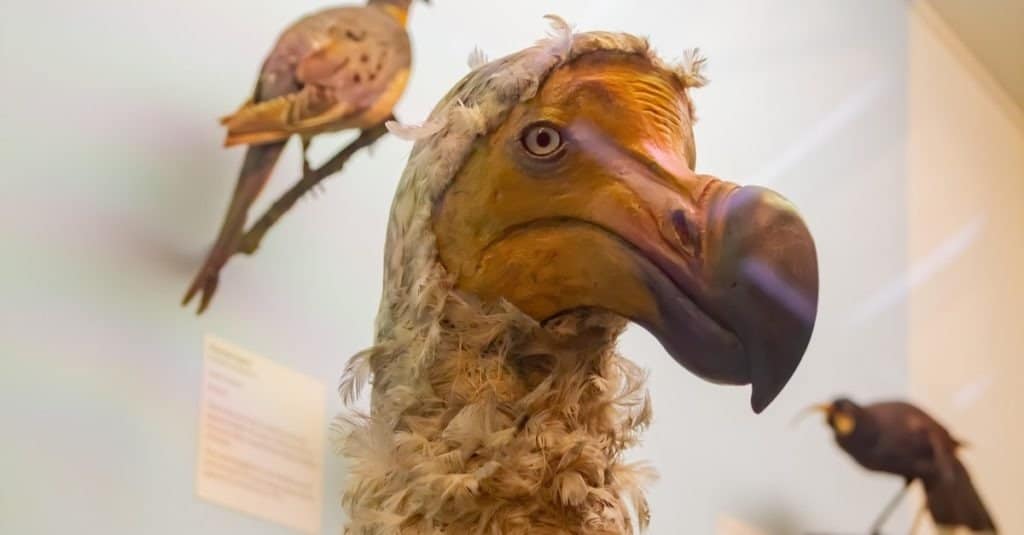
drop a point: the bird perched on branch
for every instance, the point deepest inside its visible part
(550, 198)
(337, 69)
(901, 439)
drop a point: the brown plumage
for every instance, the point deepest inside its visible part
(337, 69)
(899, 438)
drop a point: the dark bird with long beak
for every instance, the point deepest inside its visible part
(337, 69)
(899, 438)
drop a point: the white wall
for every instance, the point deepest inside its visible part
(114, 183)
(966, 245)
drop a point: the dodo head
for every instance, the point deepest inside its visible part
(577, 190)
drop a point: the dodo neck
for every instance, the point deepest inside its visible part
(485, 420)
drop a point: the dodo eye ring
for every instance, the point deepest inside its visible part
(542, 140)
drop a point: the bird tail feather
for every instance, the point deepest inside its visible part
(954, 501)
(259, 164)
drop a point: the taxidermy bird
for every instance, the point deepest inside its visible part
(550, 198)
(341, 68)
(899, 438)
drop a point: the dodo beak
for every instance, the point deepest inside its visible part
(733, 270)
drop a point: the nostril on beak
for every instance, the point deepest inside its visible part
(686, 231)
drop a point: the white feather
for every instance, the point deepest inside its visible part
(559, 40)
(414, 132)
(356, 375)
(691, 66)
(470, 119)
(477, 58)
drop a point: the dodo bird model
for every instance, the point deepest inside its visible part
(901, 439)
(337, 69)
(550, 198)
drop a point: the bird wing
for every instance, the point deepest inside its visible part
(943, 452)
(325, 70)
(940, 442)
(927, 444)
(903, 446)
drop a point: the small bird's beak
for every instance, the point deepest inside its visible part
(824, 408)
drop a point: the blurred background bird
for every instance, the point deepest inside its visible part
(899, 438)
(337, 69)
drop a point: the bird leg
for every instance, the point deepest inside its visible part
(252, 238)
(307, 169)
(876, 528)
(917, 519)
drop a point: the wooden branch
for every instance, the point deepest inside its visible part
(252, 238)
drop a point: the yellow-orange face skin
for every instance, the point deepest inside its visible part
(585, 197)
(532, 229)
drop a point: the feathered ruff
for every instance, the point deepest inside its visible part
(514, 428)
(356, 376)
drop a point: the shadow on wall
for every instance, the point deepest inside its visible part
(189, 181)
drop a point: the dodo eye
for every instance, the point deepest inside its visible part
(542, 140)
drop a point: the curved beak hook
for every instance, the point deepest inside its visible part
(823, 408)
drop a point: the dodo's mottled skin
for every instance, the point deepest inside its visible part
(534, 225)
(551, 198)
(337, 69)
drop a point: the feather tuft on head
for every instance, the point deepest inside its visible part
(414, 132)
(559, 40)
(477, 58)
(470, 119)
(691, 67)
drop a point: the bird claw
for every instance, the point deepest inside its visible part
(249, 244)
(205, 284)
